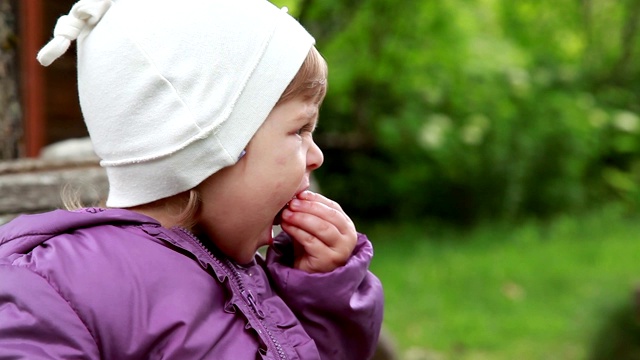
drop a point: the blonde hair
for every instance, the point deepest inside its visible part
(310, 82)
(74, 196)
(181, 209)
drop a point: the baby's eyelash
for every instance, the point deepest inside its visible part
(307, 128)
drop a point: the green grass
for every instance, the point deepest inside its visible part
(534, 291)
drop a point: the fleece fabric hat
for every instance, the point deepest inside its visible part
(173, 91)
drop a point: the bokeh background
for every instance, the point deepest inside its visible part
(490, 149)
(478, 109)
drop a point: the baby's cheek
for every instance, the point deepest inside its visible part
(285, 156)
(281, 161)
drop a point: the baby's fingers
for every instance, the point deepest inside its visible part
(301, 217)
(325, 209)
(323, 230)
(316, 256)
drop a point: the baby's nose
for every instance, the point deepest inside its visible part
(315, 158)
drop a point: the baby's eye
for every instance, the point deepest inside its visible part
(304, 129)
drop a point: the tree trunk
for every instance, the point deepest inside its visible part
(10, 112)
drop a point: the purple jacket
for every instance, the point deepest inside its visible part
(114, 284)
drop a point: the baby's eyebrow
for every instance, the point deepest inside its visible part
(308, 116)
(313, 114)
(309, 121)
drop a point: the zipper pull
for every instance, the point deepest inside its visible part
(252, 302)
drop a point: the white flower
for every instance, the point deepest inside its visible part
(433, 131)
(626, 121)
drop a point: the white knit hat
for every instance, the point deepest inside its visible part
(172, 91)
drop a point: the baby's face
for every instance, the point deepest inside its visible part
(240, 203)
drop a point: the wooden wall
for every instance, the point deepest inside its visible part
(63, 116)
(49, 97)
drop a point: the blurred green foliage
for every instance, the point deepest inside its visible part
(552, 289)
(476, 109)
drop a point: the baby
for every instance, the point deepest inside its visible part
(202, 112)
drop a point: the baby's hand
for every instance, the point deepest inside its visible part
(324, 235)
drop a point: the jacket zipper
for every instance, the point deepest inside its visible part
(247, 295)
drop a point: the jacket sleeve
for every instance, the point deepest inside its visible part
(341, 310)
(36, 322)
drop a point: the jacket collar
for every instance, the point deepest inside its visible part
(28, 231)
(25, 232)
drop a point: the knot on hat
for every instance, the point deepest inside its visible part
(68, 28)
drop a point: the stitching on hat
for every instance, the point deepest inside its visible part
(201, 132)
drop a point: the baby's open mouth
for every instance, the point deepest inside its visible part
(278, 219)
